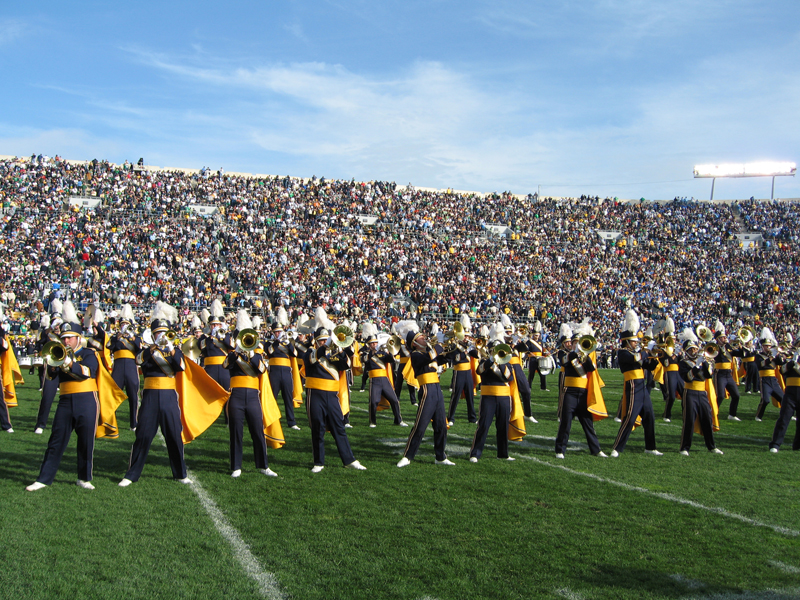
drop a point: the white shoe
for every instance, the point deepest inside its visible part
(473, 459)
(601, 454)
(236, 473)
(404, 462)
(125, 482)
(667, 420)
(185, 481)
(773, 450)
(317, 468)
(449, 423)
(402, 424)
(617, 420)
(654, 452)
(717, 451)
(545, 390)
(733, 418)
(295, 427)
(684, 453)
(614, 454)
(87, 485)
(559, 455)
(757, 419)
(356, 465)
(372, 425)
(35, 486)
(445, 462)
(531, 419)
(268, 472)
(509, 458)
(38, 431)
(794, 418)
(9, 430)
(348, 426)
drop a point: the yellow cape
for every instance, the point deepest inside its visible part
(270, 413)
(110, 397)
(201, 400)
(12, 374)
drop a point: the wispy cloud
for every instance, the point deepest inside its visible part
(11, 30)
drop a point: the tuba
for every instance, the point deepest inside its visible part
(343, 336)
(704, 333)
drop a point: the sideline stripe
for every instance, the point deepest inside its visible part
(784, 567)
(267, 583)
(669, 497)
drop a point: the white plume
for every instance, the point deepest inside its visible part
(631, 322)
(44, 322)
(283, 317)
(56, 307)
(719, 327)
(565, 331)
(465, 322)
(216, 309)
(537, 326)
(68, 312)
(257, 322)
(404, 327)
(687, 334)
(126, 314)
(243, 320)
(205, 314)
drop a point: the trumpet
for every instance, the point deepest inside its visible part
(586, 345)
(501, 354)
(247, 341)
(55, 354)
(163, 341)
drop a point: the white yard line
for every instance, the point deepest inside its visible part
(784, 567)
(267, 583)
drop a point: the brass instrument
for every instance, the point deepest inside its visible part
(710, 351)
(162, 341)
(247, 340)
(523, 331)
(393, 344)
(704, 333)
(501, 354)
(586, 345)
(147, 337)
(343, 336)
(454, 337)
(55, 354)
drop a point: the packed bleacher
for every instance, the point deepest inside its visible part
(300, 243)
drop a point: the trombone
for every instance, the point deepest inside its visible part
(247, 341)
(501, 354)
(55, 354)
(586, 345)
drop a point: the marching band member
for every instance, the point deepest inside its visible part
(425, 360)
(495, 402)
(160, 407)
(49, 332)
(636, 401)
(698, 409)
(790, 370)
(537, 351)
(462, 382)
(324, 369)
(280, 351)
(520, 348)
(669, 359)
(125, 345)
(724, 367)
(77, 409)
(245, 367)
(751, 383)
(378, 363)
(582, 396)
(215, 346)
(767, 362)
(564, 348)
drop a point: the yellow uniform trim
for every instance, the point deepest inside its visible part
(672, 367)
(767, 373)
(159, 383)
(635, 374)
(462, 367)
(78, 387)
(428, 378)
(405, 359)
(280, 362)
(576, 382)
(723, 366)
(495, 390)
(326, 385)
(213, 360)
(793, 381)
(748, 359)
(123, 354)
(537, 353)
(515, 360)
(375, 373)
(244, 381)
(697, 386)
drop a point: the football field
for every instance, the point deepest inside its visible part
(639, 526)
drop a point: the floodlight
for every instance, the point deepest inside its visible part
(757, 169)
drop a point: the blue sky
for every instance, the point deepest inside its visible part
(610, 97)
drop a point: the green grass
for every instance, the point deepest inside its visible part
(495, 529)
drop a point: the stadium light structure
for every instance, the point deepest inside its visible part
(759, 169)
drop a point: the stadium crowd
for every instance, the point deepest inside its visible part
(300, 243)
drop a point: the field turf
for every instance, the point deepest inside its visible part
(671, 527)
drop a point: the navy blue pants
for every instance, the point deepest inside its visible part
(280, 379)
(431, 407)
(723, 380)
(49, 391)
(325, 413)
(398, 386)
(379, 387)
(126, 376)
(751, 383)
(75, 412)
(770, 388)
(697, 406)
(159, 409)
(788, 408)
(575, 404)
(672, 388)
(462, 383)
(245, 405)
(524, 389)
(638, 404)
(497, 408)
